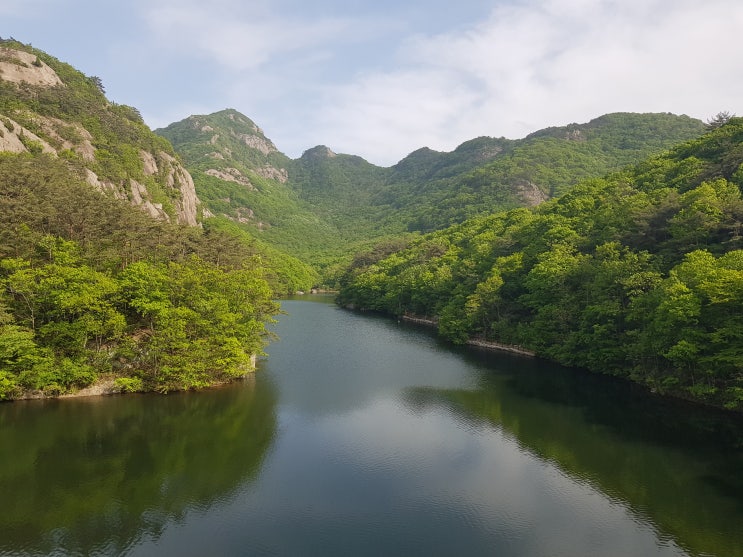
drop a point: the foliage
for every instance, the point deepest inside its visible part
(197, 324)
(323, 206)
(720, 119)
(238, 177)
(434, 190)
(99, 140)
(92, 134)
(93, 286)
(638, 274)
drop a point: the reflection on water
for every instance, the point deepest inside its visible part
(363, 436)
(673, 464)
(97, 475)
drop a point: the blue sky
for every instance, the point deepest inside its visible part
(381, 79)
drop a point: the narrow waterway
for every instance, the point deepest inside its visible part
(363, 436)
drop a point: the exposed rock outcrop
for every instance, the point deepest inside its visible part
(256, 142)
(22, 67)
(25, 130)
(529, 193)
(17, 139)
(140, 197)
(230, 175)
(272, 173)
(179, 178)
(9, 140)
(68, 136)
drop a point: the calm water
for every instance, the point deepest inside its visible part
(362, 436)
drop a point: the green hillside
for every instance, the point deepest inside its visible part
(323, 206)
(340, 189)
(638, 274)
(241, 178)
(133, 263)
(485, 175)
(428, 190)
(46, 106)
(95, 291)
(106, 279)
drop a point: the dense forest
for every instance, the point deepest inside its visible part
(435, 190)
(119, 268)
(323, 207)
(105, 275)
(93, 288)
(638, 274)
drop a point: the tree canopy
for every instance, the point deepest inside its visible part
(638, 274)
(93, 288)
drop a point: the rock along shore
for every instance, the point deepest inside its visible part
(480, 343)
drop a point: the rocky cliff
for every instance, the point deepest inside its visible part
(48, 107)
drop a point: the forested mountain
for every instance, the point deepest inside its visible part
(113, 269)
(638, 274)
(47, 106)
(428, 190)
(341, 188)
(485, 174)
(242, 179)
(323, 206)
(105, 277)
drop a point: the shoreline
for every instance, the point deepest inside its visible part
(479, 343)
(106, 386)
(497, 346)
(103, 387)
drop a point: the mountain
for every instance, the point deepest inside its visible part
(638, 274)
(241, 177)
(323, 205)
(433, 190)
(107, 281)
(428, 190)
(114, 274)
(46, 106)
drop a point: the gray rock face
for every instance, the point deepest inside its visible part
(53, 136)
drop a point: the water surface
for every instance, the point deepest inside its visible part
(363, 436)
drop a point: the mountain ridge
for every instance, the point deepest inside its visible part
(47, 106)
(507, 271)
(332, 203)
(637, 274)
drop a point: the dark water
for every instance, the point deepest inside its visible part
(362, 436)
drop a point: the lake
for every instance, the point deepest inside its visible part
(363, 436)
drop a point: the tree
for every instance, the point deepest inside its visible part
(98, 82)
(720, 119)
(197, 324)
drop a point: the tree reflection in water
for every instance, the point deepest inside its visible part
(100, 474)
(674, 464)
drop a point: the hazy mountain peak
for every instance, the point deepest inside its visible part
(319, 151)
(224, 133)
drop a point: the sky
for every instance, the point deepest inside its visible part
(382, 78)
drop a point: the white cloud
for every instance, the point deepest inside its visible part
(540, 63)
(414, 106)
(378, 80)
(245, 37)
(23, 8)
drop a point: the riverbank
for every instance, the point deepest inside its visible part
(479, 343)
(491, 345)
(107, 386)
(102, 387)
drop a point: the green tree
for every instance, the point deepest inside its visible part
(197, 323)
